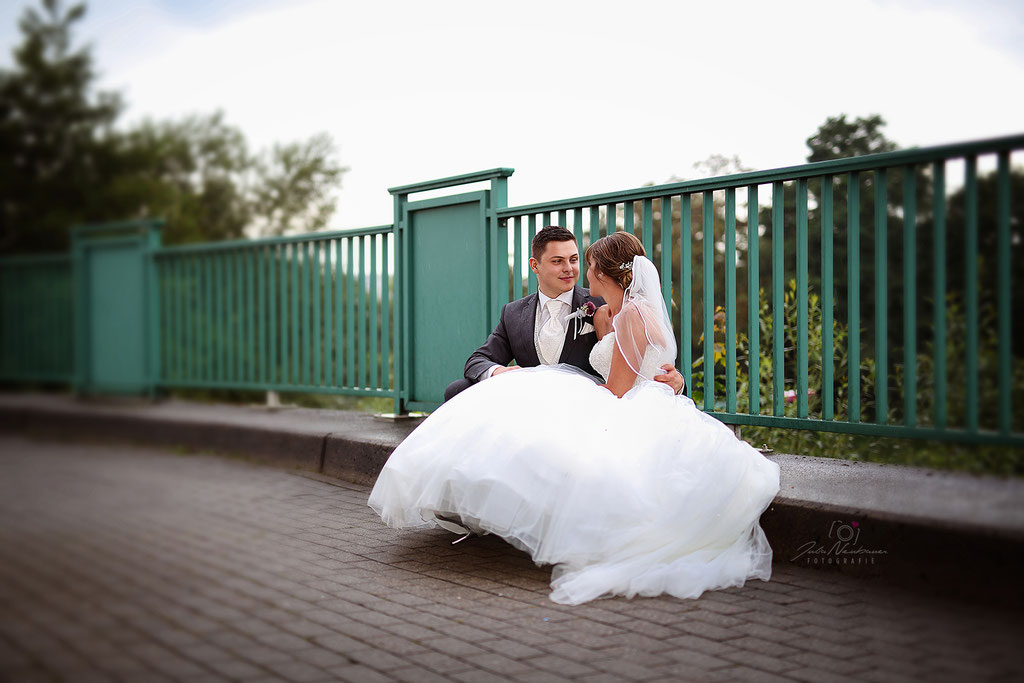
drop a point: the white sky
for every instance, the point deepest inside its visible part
(578, 97)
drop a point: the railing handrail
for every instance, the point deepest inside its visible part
(229, 245)
(128, 224)
(831, 167)
(451, 181)
(34, 259)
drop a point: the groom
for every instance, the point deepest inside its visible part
(536, 330)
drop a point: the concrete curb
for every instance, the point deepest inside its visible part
(936, 532)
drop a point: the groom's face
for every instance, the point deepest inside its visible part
(558, 267)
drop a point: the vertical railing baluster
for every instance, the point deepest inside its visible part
(971, 252)
(778, 311)
(708, 244)
(730, 300)
(686, 293)
(595, 232)
(295, 352)
(201, 343)
(330, 343)
(339, 307)
(165, 321)
(753, 302)
(517, 259)
(827, 350)
(385, 316)
(274, 299)
(373, 299)
(350, 314)
(610, 219)
(316, 284)
(577, 231)
(801, 298)
(175, 264)
(362, 334)
(666, 254)
(221, 320)
(250, 310)
(561, 218)
(647, 227)
(909, 385)
(260, 263)
(531, 278)
(939, 293)
(189, 309)
(881, 298)
(627, 218)
(853, 293)
(1004, 290)
(234, 314)
(307, 343)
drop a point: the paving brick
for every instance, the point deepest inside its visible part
(199, 568)
(415, 674)
(357, 673)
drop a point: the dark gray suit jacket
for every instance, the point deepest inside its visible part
(513, 339)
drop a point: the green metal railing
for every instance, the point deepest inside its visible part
(871, 295)
(36, 318)
(748, 385)
(310, 313)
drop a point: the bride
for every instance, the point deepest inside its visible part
(626, 488)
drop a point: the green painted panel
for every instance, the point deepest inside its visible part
(447, 271)
(117, 358)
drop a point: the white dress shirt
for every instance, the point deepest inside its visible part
(542, 317)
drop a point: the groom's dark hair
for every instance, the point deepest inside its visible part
(552, 233)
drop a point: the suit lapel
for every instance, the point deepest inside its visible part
(577, 301)
(527, 321)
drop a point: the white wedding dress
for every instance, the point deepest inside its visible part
(639, 495)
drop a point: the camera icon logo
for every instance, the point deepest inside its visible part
(847, 533)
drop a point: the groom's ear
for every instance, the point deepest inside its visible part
(534, 264)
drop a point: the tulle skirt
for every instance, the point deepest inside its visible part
(641, 495)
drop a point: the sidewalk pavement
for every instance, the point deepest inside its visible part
(925, 530)
(126, 563)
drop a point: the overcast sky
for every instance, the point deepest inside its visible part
(578, 97)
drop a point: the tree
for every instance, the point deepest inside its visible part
(63, 161)
(53, 132)
(838, 138)
(293, 186)
(188, 172)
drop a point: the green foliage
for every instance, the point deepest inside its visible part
(838, 138)
(63, 161)
(53, 132)
(973, 458)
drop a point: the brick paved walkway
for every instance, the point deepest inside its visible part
(132, 564)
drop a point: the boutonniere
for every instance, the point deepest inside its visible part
(585, 311)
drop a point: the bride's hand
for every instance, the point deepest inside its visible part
(603, 321)
(498, 371)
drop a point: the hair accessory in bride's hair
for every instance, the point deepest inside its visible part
(626, 266)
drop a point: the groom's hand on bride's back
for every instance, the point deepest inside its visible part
(671, 377)
(498, 371)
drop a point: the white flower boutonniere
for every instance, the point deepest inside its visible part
(585, 311)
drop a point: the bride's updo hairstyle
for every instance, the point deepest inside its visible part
(613, 251)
